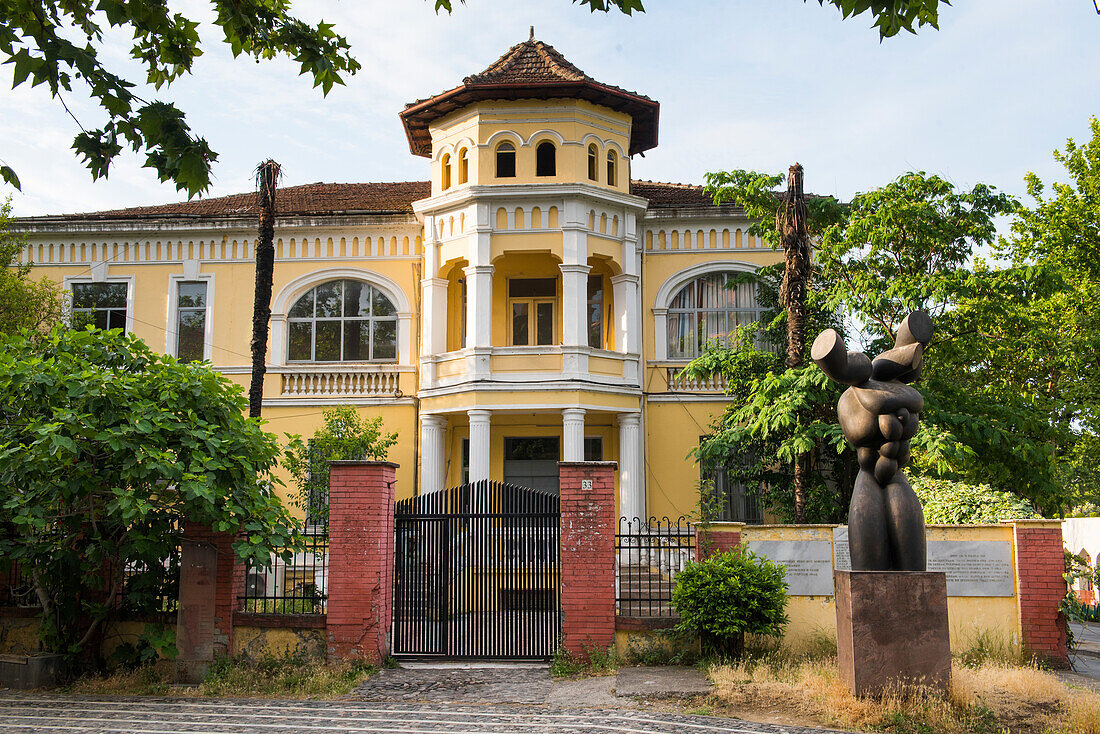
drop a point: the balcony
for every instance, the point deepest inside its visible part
(677, 383)
(340, 380)
(529, 364)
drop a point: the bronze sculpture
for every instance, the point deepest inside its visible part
(879, 415)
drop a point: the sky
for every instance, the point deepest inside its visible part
(754, 84)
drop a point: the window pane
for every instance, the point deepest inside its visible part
(190, 334)
(99, 295)
(385, 340)
(301, 341)
(544, 326)
(192, 295)
(356, 298)
(681, 335)
(519, 324)
(328, 299)
(101, 319)
(328, 341)
(356, 340)
(116, 318)
(382, 305)
(545, 155)
(532, 287)
(303, 308)
(595, 311)
(83, 319)
(593, 449)
(506, 162)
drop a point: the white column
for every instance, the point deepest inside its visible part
(631, 484)
(628, 322)
(573, 433)
(479, 319)
(432, 429)
(574, 305)
(479, 444)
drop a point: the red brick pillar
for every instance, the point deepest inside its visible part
(1040, 588)
(360, 559)
(587, 555)
(211, 582)
(716, 537)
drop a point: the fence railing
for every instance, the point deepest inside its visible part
(648, 556)
(15, 588)
(150, 588)
(297, 584)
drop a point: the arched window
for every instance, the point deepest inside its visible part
(342, 321)
(546, 159)
(463, 166)
(612, 167)
(446, 171)
(709, 308)
(506, 160)
(593, 162)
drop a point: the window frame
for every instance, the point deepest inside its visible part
(371, 319)
(753, 511)
(552, 163)
(445, 169)
(171, 336)
(612, 167)
(593, 162)
(498, 151)
(671, 289)
(463, 166)
(68, 282)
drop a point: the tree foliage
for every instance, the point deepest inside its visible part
(59, 44)
(25, 303)
(344, 435)
(106, 450)
(948, 502)
(728, 595)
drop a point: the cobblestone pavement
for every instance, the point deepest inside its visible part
(514, 684)
(103, 715)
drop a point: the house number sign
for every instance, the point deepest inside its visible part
(586, 485)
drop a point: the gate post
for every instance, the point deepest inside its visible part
(360, 559)
(587, 555)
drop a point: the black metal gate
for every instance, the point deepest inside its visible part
(476, 573)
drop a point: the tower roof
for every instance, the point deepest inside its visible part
(532, 70)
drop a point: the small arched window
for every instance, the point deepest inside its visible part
(463, 166)
(546, 159)
(709, 309)
(612, 168)
(593, 162)
(506, 160)
(446, 171)
(342, 321)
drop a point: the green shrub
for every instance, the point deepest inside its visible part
(729, 595)
(949, 502)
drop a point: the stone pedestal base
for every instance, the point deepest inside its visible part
(892, 627)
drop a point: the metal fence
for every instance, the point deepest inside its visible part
(293, 584)
(150, 588)
(648, 556)
(15, 588)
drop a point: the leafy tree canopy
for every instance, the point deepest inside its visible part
(106, 450)
(25, 303)
(57, 44)
(947, 502)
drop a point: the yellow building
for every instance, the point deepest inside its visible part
(530, 303)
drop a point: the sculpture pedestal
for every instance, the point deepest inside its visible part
(892, 627)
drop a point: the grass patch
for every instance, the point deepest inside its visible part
(268, 677)
(985, 697)
(593, 663)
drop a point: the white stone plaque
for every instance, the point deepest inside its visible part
(808, 562)
(972, 567)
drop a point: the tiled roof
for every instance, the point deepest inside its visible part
(664, 195)
(530, 61)
(532, 70)
(308, 199)
(319, 199)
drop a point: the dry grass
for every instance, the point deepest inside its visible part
(269, 677)
(991, 697)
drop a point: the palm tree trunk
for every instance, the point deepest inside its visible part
(792, 296)
(267, 176)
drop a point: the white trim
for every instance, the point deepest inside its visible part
(293, 290)
(172, 316)
(545, 132)
(500, 135)
(672, 286)
(67, 286)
